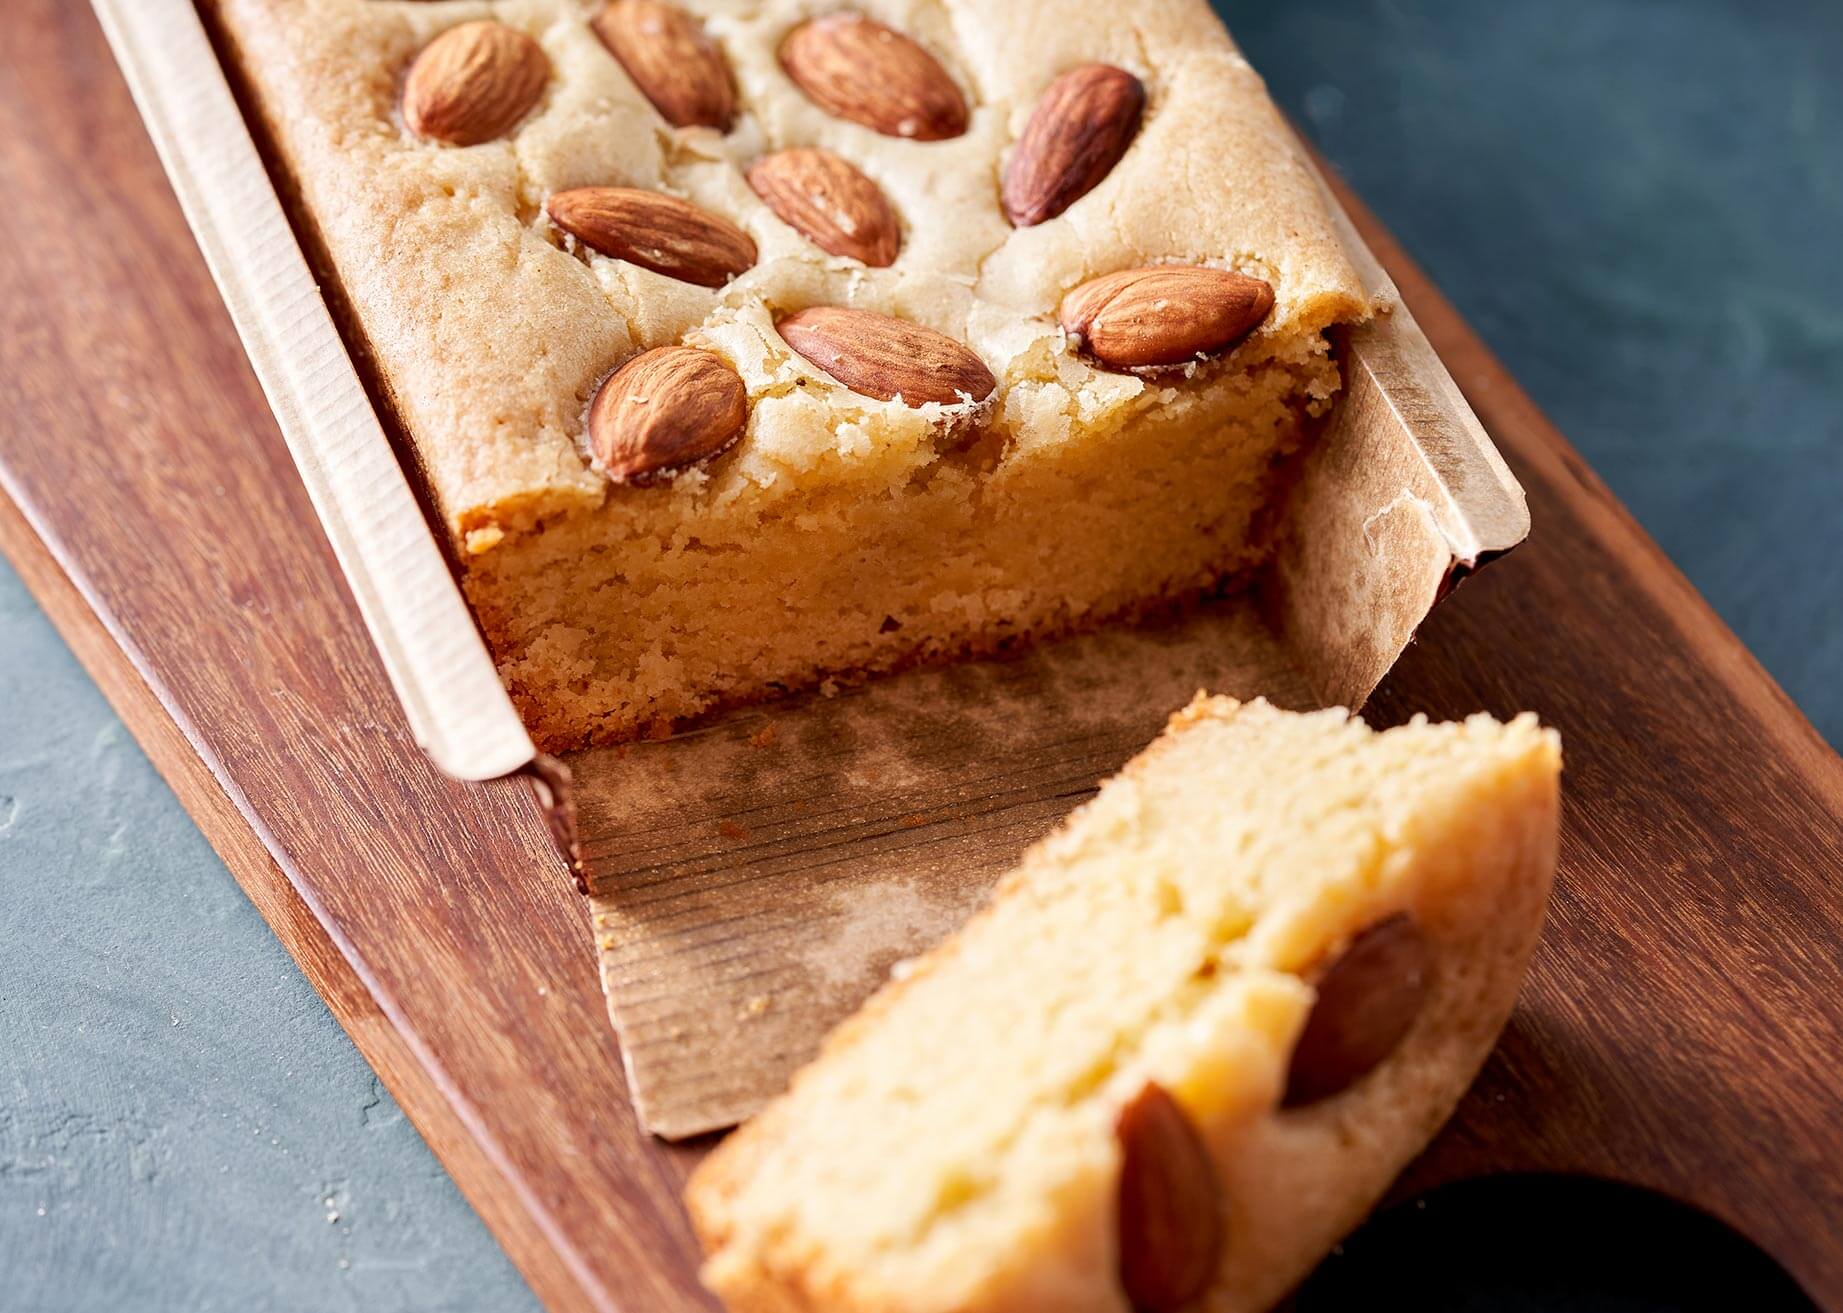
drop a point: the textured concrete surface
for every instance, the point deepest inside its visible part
(183, 1126)
(1636, 204)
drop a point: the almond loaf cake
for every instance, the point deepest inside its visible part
(746, 344)
(1183, 1049)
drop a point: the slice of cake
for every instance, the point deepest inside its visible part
(1181, 1052)
(746, 344)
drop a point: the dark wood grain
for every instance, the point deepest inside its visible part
(1686, 1009)
(161, 522)
(1684, 1019)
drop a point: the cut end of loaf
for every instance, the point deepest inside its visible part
(955, 1145)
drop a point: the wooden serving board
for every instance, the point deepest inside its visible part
(755, 875)
(1685, 1014)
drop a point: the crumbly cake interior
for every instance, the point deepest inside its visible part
(907, 555)
(841, 534)
(954, 1148)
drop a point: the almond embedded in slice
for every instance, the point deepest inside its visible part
(663, 410)
(1170, 1209)
(655, 231)
(830, 203)
(676, 66)
(1165, 314)
(860, 70)
(887, 358)
(473, 83)
(1368, 997)
(1077, 133)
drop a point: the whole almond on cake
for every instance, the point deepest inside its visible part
(1165, 315)
(1184, 1048)
(1168, 1204)
(668, 408)
(1076, 134)
(474, 83)
(670, 58)
(832, 203)
(887, 358)
(655, 231)
(871, 74)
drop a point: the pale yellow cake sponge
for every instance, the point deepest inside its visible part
(955, 1146)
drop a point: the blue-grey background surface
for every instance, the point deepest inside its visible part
(1637, 203)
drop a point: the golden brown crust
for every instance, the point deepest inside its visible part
(443, 252)
(491, 331)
